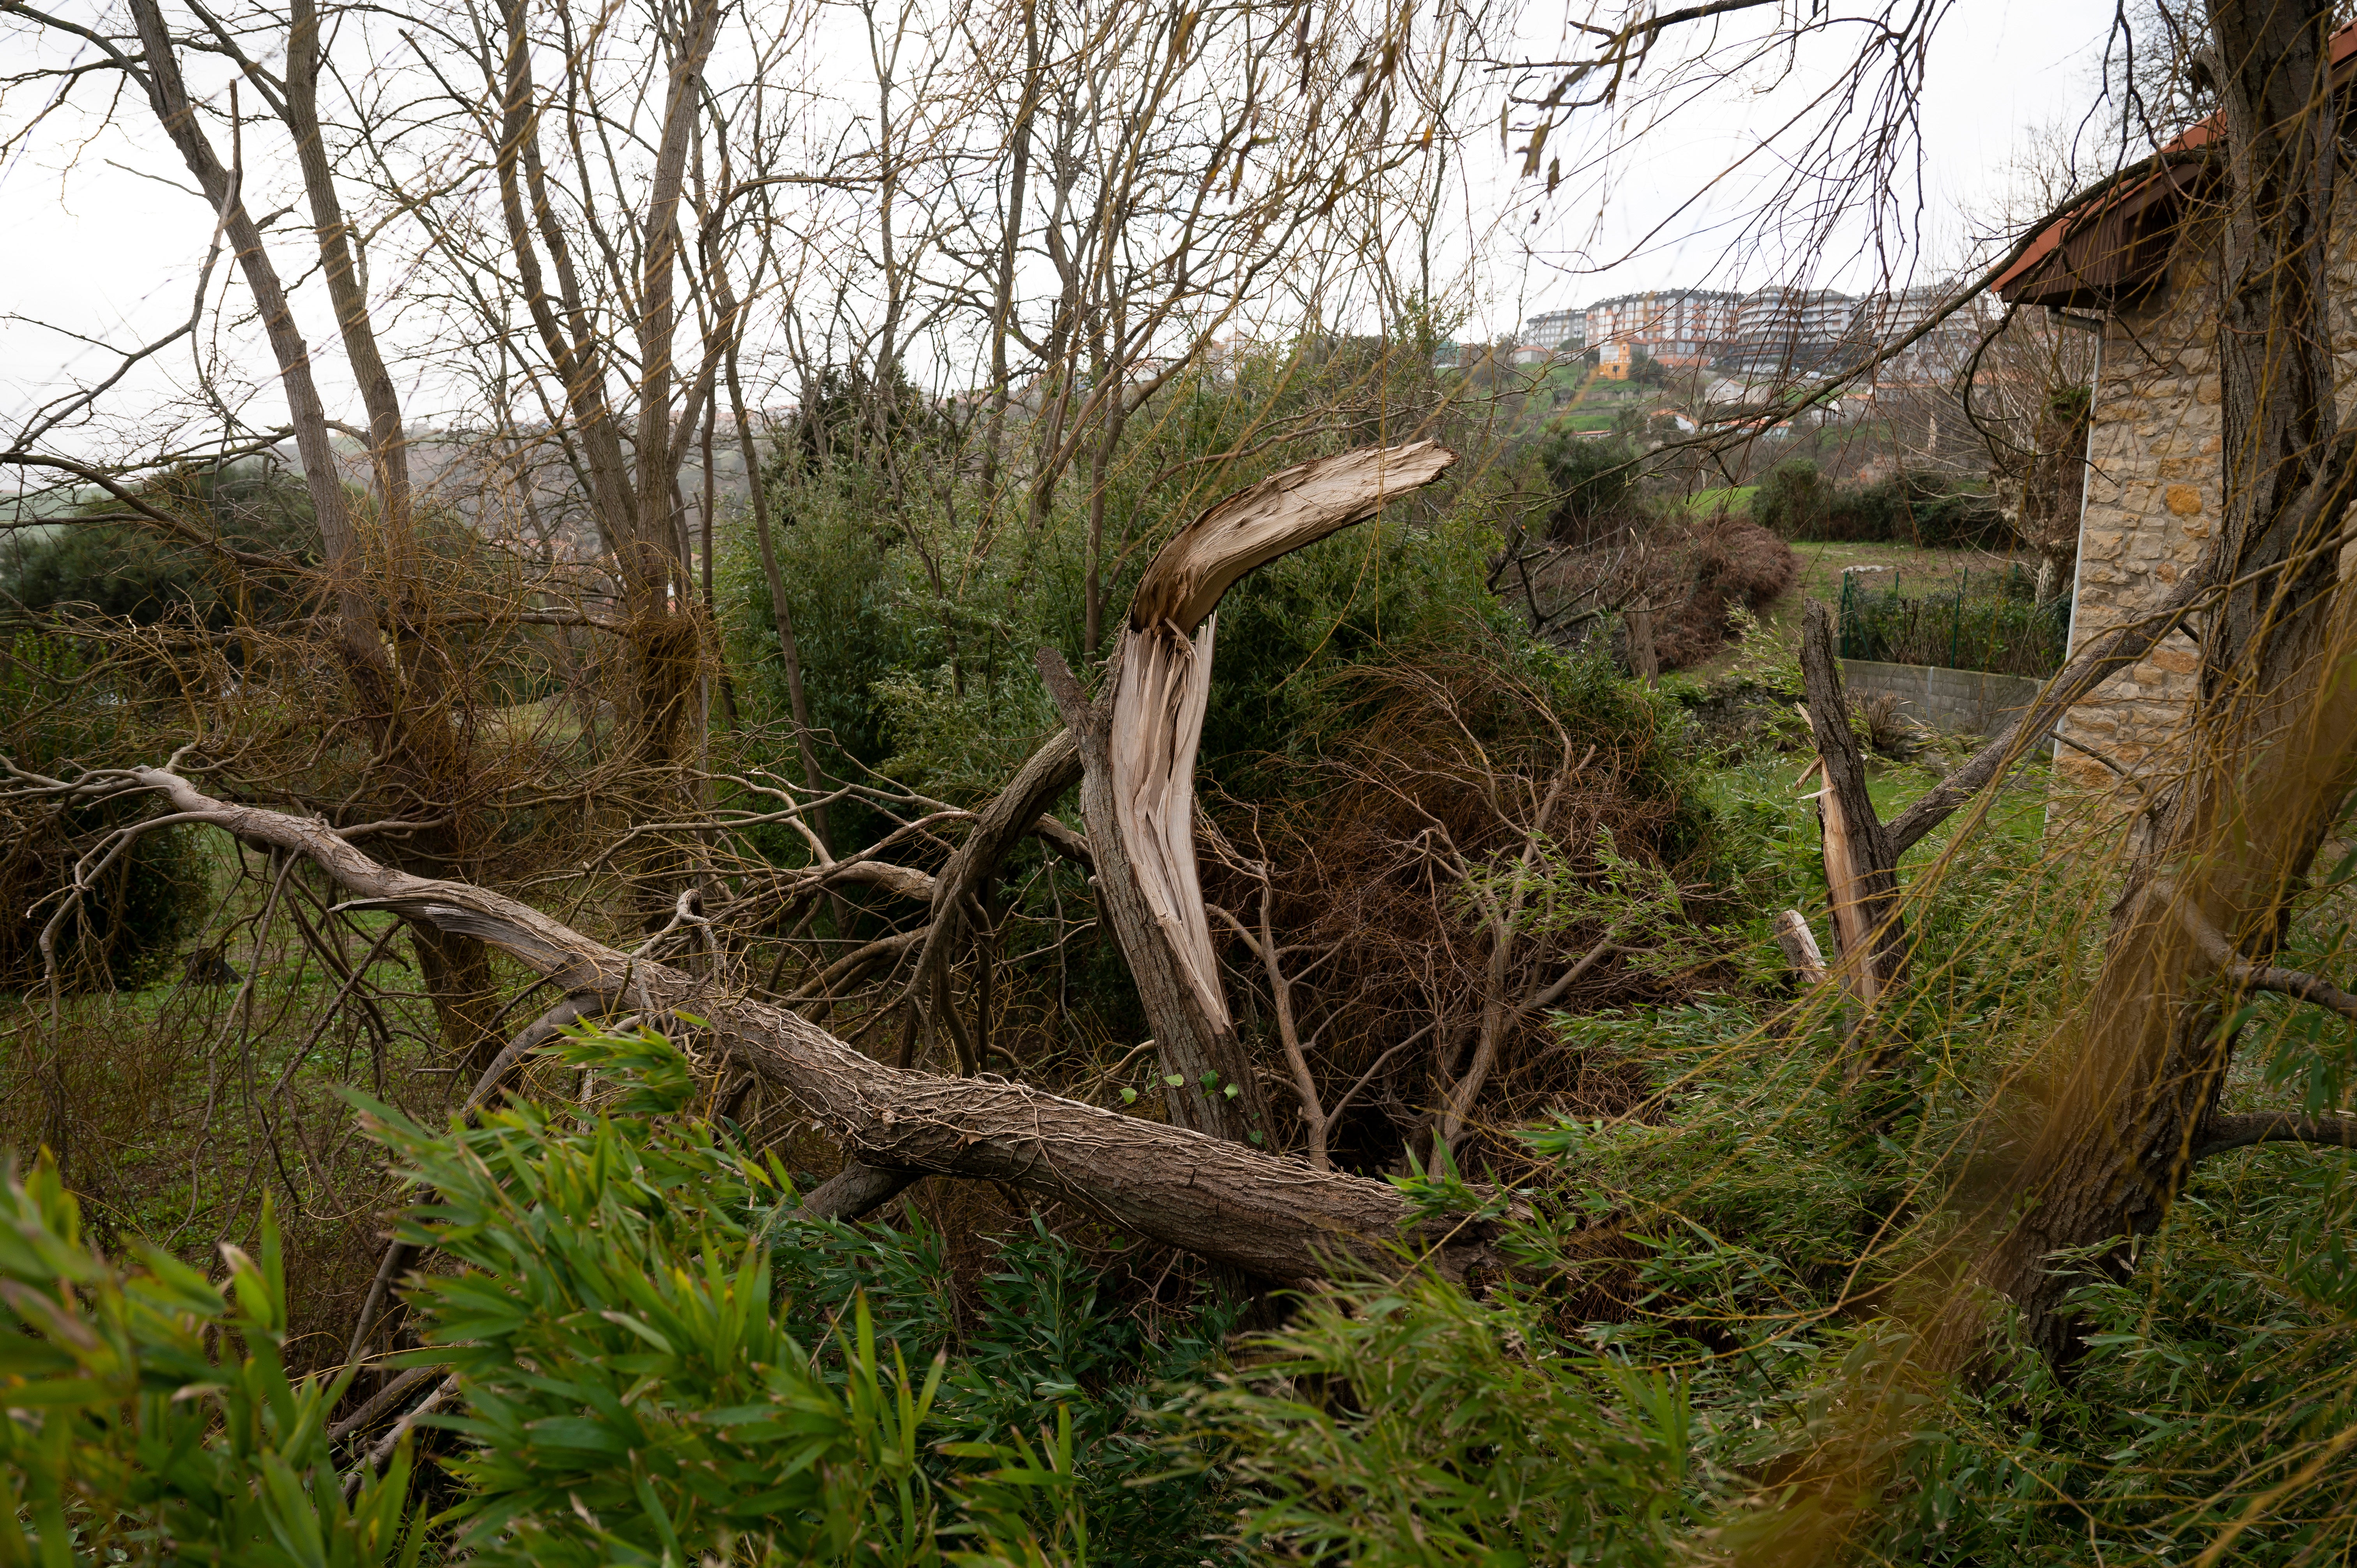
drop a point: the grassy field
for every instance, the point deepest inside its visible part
(1735, 500)
(1821, 566)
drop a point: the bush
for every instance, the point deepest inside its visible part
(1413, 1426)
(1797, 503)
(1694, 572)
(128, 572)
(57, 714)
(660, 1355)
(1592, 482)
(658, 1360)
(1791, 499)
(1724, 564)
(150, 1417)
(1951, 625)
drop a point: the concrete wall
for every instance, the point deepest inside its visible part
(1964, 700)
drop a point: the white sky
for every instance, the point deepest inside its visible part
(2000, 69)
(110, 245)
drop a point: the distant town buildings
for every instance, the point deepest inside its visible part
(1562, 331)
(1681, 329)
(1768, 334)
(1787, 332)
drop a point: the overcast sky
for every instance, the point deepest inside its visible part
(109, 246)
(2000, 71)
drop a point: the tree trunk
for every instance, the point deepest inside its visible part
(780, 613)
(1645, 663)
(403, 704)
(1138, 750)
(1861, 861)
(456, 971)
(2275, 735)
(388, 441)
(1270, 1216)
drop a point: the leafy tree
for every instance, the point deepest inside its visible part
(1592, 484)
(132, 572)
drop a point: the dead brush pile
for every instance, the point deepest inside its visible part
(1691, 572)
(1474, 845)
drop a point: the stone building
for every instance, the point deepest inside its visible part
(2137, 273)
(2139, 267)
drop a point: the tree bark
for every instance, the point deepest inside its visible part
(1269, 1216)
(2274, 733)
(1137, 749)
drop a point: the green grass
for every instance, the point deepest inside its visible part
(1821, 573)
(1733, 500)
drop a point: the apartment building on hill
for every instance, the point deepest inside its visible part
(1683, 329)
(1564, 331)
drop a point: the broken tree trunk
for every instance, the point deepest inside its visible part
(1138, 750)
(1861, 865)
(1270, 1216)
(1800, 945)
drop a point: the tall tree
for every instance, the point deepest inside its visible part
(2273, 735)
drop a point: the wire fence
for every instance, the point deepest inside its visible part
(1988, 620)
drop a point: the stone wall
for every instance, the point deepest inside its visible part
(2151, 504)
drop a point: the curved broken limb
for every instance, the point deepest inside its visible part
(1136, 743)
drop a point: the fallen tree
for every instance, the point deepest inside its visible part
(1273, 1217)
(1196, 1185)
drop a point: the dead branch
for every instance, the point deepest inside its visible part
(1224, 1201)
(2294, 983)
(2224, 1131)
(1262, 944)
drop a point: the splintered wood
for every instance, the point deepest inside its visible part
(1283, 512)
(1139, 788)
(1157, 721)
(1164, 683)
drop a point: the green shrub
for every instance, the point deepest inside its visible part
(1412, 1426)
(658, 1360)
(1791, 499)
(149, 1417)
(1591, 482)
(658, 1354)
(1949, 625)
(1925, 509)
(57, 715)
(137, 574)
